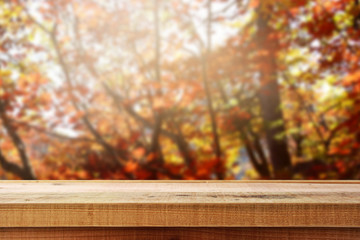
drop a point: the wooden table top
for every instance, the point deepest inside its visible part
(180, 203)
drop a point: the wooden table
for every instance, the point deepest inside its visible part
(179, 210)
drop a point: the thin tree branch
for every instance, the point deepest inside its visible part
(12, 167)
(27, 171)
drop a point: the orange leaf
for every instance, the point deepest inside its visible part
(138, 152)
(131, 166)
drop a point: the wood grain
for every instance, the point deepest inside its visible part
(179, 204)
(181, 233)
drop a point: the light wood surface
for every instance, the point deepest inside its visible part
(179, 204)
(181, 233)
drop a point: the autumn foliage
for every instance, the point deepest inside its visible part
(179, 89)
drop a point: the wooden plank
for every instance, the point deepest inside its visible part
(179, 204)
(181, 233)
(188, 181)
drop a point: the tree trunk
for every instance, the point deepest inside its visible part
(206, 60)
(269, 97)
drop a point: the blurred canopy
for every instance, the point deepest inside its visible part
(179, 89)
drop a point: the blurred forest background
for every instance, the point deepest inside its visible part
(179, 89)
